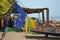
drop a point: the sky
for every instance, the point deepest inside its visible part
(53, 5)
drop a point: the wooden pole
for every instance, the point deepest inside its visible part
(47, 13)
(26, 25)
(29, 20)
(43, 16)
(2, 22)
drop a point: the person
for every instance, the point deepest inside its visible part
(10, 23)
(5, 24)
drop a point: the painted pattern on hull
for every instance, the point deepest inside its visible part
(5, 6)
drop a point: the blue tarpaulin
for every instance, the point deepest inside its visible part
(20, 21)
